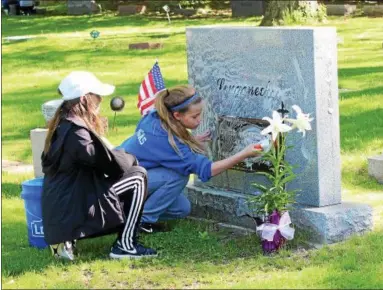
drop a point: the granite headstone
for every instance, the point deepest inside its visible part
(245, 8)
(80, 7)
(244, 73)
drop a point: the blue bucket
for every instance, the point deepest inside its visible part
(31, 193)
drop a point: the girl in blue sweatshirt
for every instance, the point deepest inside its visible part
(168, 151)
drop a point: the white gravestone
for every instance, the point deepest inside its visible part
(38, 137)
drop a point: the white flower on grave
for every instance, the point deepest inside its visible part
(302, 122)
(276, 126)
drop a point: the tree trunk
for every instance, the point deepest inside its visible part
(277, 11)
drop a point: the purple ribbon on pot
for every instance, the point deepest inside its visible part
(268, 230)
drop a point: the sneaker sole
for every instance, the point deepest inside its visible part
(115, 256)
(64, 258)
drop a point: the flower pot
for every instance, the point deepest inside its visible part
(278, 241)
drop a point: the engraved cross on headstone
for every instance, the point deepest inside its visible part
(282, 110)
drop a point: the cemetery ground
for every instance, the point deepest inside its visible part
(194, 254)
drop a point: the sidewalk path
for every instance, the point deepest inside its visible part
(15, 167)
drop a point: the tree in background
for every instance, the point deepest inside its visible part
(292, 11)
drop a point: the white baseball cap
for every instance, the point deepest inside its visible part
(80, 83)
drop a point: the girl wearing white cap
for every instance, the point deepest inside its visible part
(89, 190)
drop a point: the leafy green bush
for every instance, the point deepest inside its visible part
(304, 14)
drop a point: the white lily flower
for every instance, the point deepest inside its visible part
(302, 122)
(276, 126)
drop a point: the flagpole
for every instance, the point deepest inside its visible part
(114, 119)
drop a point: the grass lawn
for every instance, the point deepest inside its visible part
(194, 254)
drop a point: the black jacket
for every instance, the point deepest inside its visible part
(78, 199)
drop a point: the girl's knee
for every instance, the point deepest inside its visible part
(139, 169)
(184, 207)
(136, 171)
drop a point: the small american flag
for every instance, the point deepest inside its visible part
(152, 84)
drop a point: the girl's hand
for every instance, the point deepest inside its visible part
(253, 150)
(204, 137)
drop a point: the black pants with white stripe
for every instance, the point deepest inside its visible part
(132, 190)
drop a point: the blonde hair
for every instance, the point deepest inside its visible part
(172, 97)
(84, 108)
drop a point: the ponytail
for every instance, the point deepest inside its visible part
(167, 99)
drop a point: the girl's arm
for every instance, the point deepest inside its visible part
(222, 165)
(93, 154)
(81, 145)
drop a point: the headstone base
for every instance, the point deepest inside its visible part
(335, 223)
(223, 206)
(326, 225)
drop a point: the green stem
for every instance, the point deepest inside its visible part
(279, 156)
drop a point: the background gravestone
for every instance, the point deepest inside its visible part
(184, 12)
(38, 137)
(375, 167)
(247, 8)
(340, 9)
(131, 9)
(80, 7)
(244, 73)
(145, 45)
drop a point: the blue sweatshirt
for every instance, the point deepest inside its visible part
(151, 146)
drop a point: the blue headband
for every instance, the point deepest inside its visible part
(184, 103)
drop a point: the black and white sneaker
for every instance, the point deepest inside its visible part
(63, 251)
(146, 228)
(139, 251)
(149, 228)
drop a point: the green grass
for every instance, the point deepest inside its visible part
(32, 69)
(193, 255)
